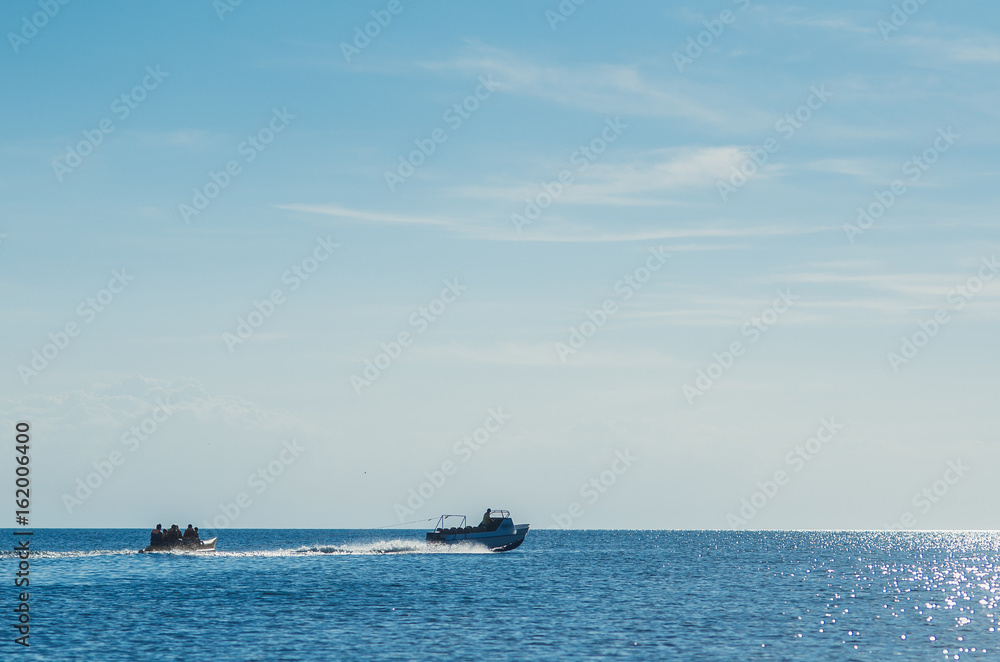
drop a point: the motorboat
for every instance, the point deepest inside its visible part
(183, 546)
(500, 534)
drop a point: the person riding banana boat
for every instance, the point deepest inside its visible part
(173, 538)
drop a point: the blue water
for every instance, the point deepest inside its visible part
(563, 595)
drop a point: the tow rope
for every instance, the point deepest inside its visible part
(416, 521)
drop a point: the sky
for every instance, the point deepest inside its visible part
(605, 265)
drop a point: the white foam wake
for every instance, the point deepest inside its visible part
(378, 547)
(399, 546)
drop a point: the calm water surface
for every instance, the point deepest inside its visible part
(563, 595)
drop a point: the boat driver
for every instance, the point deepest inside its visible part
(486, 519)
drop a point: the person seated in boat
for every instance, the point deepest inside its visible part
(486, 519)
(173, 534)
(156, 536)
(197, 536)
(189, 534)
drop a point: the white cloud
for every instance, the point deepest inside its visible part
(684, 168)
(975, 53)
(603, 88)
(633, 183)
(962, 47)
(562, 232)
(544, 354)
(337, 211)
(111, 406)
(870, 169)
(579, 234)
(915, 285)
(795, 17)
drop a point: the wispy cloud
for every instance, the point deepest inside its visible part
(795, 17)
(559, 231)
(633, 183)
(577, 234)
(543, 355)
(929, 39)
(604, 88)
(110, 406)
(871, 169)
(617, 183)
(925, 285)
(361, 215)
(974, 53)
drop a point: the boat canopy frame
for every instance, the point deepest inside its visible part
(441, 520)
(494, 514)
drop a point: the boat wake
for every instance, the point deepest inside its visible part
(71, 554)
(374, 548)
(400, 546)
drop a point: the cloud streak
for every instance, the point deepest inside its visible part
(603, 88)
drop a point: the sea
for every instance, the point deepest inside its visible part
(276, 594)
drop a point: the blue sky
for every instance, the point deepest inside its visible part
(505, 101)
